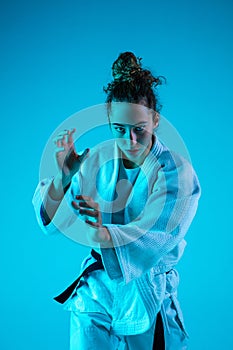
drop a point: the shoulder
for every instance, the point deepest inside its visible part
(178, 170)
(171, 160)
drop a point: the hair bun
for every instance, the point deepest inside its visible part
(132, 83)
(126, 65)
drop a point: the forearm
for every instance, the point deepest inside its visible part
(54, 197)
(39, 200)
(59, 187)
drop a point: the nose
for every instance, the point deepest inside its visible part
(131, 135)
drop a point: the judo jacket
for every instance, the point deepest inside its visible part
(148, 243)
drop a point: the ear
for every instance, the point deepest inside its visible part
(156, 118)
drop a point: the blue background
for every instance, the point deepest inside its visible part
(55, 58)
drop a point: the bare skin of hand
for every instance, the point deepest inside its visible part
(88, 207)
(67, 159)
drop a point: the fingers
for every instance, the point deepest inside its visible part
(84, 154)
(59, 149)
(70, 135)
(87, 207)
(92, 217)
(64, 143)
(91, 213)
(87, 202)
(92, 223)
(60, 136)
(65, 136)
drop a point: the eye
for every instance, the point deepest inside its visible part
(119, 129)
(139, 129)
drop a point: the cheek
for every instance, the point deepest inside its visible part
(145, 139)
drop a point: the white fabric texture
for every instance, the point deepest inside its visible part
(148, 243)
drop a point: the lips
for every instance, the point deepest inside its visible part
(132, 151)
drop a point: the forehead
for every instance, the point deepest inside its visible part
(129, 113)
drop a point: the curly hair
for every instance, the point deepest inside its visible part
(132, 83)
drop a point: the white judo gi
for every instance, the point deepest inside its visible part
(119, 305)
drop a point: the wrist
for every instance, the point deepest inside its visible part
(106, 240)
(58, 187)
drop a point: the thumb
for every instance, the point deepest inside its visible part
(84, 154)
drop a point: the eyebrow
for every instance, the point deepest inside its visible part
(140, 123)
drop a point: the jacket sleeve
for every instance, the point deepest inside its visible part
(160, 227)
(39, 200)
(64, 216)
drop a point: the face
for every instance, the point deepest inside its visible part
(132, 126)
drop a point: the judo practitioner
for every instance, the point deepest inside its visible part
(137, 199)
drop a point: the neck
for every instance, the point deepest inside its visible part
(128, 164)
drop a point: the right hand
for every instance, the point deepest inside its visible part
(67, 160)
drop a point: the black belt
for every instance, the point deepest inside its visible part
(98, 265)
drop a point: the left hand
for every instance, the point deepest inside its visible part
(88, 207)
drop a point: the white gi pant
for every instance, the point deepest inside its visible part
(92, 331)
(91, 323)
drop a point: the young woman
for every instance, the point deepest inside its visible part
(137, 210)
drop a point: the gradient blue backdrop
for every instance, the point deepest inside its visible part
(55, 58)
